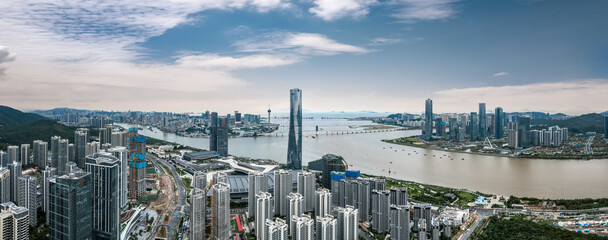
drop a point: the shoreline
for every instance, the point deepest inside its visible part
(495, 154)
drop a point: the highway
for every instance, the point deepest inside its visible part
(177, 214)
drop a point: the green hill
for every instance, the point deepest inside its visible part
(11, 116)
(591, 122)
(18, 127)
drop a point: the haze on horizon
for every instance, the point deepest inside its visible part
(346, 55)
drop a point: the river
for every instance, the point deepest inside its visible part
(542, 178)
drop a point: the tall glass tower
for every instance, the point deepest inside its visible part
(499, 118)
(428, 119)
(294, 148)
(482, 121)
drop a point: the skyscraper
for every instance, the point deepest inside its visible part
(326, 228)
(55, 151)
(62, 156)
(218, 137)
(400, 222)
(283, 185)
(258, 182)
(380, 209)
(482, 121)
(200, 180)
(306, 187)
(41, 152)
(327, 164)
(220, 212)
(5, 185)
(474, 127)
(80, 145)
(523, 132)
(25, 154)
(347, 224)
(121, 154)
(105, 171)
(70, 206)
(137, 163)
(499, 123)
(428, 119)
(15, 173)
(198, 209)
(264, 211)
(294, 147)
(27, 198)
(14, 222)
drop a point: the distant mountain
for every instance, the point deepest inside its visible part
(591, 122)
(605, 113)
(59, 111)
(18, 127)
(10, 116)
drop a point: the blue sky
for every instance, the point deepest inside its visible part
(225, 55)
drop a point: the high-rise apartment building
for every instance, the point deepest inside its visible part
(327, 164)
(80, 147)
(398, 196)
(70, 206)
(275, 230)
(220, 212)
(258, 182)
(294, 146)
(14, 222)
(200, 180)
(264, 212)
(606, 127)
(302, 227)
(283, 185)
(306, 187)
(399, 222)
(13, 154)
(62, 156)
(41, 153)
(15, 173)
(322, 202)
(198, 209)
(295, 206)
(47, 175)
(428, 119)
(347, 224)
(25, 154)
(105, 176)
(218, 136)
(326, 228)
(27, 196)
(5, 185)
(121, 153)
(55, 151)
(380, 210)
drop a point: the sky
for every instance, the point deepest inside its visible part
(345, 55)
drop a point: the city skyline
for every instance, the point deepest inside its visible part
(358, 55)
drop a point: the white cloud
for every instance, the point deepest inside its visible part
(500, 74)
(214, 61)
(330, 10)
(384, 41)
(5, 56)
(423, 10)
(569, 97)
(301, 43)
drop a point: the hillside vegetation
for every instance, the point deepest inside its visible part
(18, 127)
(519, 229)
(592, 122)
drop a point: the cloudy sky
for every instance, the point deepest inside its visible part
(346, 55)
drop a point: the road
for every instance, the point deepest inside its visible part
(173, 227)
